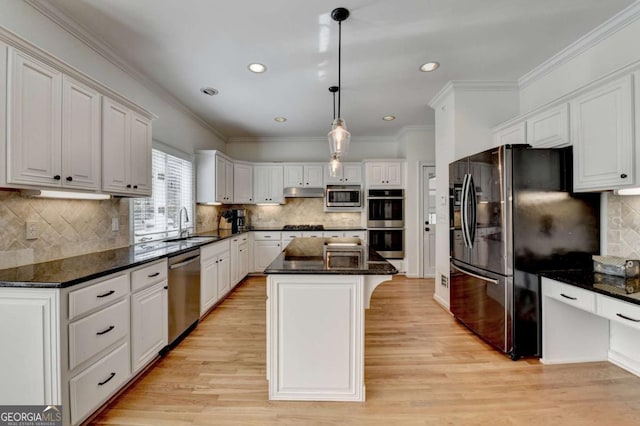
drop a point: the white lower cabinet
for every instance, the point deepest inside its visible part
(215, 273)
(149, 324)
(264, 253)
(89, 389)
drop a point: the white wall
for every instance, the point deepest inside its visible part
(416, 145)
(309, 149)
(609, 54)
(174, 127)
(465, 113)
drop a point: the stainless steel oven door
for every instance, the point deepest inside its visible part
(385, 212)
(388, 242)
(482, 301)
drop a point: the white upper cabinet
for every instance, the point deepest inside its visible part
(549, 128)
(348, 174)
(268, 184)
(384, 174)
(126, 150)
(602, 132)
(303, 175)
(242, 183)
(514, 134)
(35, 137)
(81, 124)
(214, 178)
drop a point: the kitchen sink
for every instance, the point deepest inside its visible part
(192, 239)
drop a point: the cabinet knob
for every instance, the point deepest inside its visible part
(426, 229)
(135, 186)
(69, 178)
(128, 186)
(57, 177)
(166, 287)
(623, 176)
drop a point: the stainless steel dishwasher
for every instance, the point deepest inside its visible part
(184, 294)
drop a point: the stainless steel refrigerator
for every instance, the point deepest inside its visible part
(513, 215)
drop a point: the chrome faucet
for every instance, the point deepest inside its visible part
(181, 231)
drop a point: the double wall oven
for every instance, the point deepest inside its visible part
(385, 222)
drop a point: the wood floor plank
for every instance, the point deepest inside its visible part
(421, 368)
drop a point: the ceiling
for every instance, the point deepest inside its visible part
(183, 45)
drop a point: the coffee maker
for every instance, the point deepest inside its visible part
(239, 220)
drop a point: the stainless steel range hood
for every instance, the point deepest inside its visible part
(294, 192)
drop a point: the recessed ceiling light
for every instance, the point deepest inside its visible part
(257, 68)
(389, 117)
(280, 119)
(429, 66)
(209, 91)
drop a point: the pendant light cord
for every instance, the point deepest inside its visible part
(339, 62)
(334, 106)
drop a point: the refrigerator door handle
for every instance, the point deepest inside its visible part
(463, 208)
(480, 277)
(472, 224)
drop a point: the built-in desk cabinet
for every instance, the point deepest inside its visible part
(579, 325)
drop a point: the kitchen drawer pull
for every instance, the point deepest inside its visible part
(568, 297)
(111, 376)
(100, 333)
(628, 318)
(155, 274)
(109, 293)
(267, 236)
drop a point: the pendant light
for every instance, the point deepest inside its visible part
(339, 137)
(334, 164)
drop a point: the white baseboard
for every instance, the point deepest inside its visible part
(577, 360)
(623, 361)
(440, 301)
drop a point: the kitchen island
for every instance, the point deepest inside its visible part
(318, 289)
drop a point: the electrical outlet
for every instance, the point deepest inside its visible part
(32, 230)
(115, 224)
(444, 281)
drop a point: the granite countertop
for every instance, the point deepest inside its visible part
(627, 289)
(340, 256)
(74, 270)
(332, 228)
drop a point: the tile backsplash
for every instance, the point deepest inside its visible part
(298, 211)
(65, 228)
(623, 226)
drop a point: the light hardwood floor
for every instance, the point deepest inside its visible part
(421, 368)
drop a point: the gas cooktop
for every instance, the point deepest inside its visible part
(303, 228)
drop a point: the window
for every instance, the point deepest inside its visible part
(158, 217)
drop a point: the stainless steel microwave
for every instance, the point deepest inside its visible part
(343, 197)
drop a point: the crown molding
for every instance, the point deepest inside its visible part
(57, 16)
(472, 86)
(305, 139)
(584, 43)
(415, 129)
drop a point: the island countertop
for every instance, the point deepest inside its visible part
(340, 256)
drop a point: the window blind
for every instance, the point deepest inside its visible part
(157, 217)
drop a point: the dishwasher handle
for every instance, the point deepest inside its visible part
(185, 262)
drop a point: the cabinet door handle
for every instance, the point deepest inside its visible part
(100, 333)
(568, 297)
(267, 236)
(623, 175)
(109, 293)
(155, 274)
(57, 177)
(69, 178)
(111, 376)
(628, 318)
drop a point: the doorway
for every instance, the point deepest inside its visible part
(429, 221)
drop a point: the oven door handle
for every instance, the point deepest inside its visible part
(385, 198)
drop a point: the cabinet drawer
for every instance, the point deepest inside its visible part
(571, 295)
(290, 235)
(89, 389)
(97, 295)
(266, 236)
(94, 333)
(312, 234)
(333, 234)
(619, 311)
(213, 250)
(149, 275)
